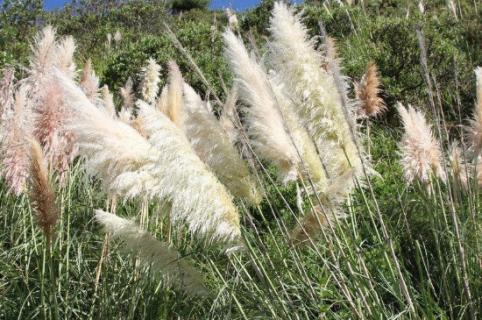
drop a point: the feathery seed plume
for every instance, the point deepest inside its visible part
(152, 252)
(41, 193)
(108, 101)
(44, 55)
(65, 56)
(6, 92)
(371, 105)
(14, 147)
(197, 196)
(89, 82)
(174, 95)
(213, 146)
(294, 57)
(127, 94)
(264, 122)
(165, 167)
(150, 81)
(421, 154)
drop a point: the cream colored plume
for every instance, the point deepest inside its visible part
(265, 124)
(214, 147)
(420, 151)
(293, 56)
(174, 104)
(44, 53)
(311, 166)
(65, 56)
(474, 130)
(152, 252)
(162, 102)
(14, 144)
(167, 169)
(127, 94)
(108, 101)
(150, 81)
(196, 195)
(89, 82)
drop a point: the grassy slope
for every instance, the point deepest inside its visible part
(350, 272)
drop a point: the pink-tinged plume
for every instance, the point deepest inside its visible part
(421, 155)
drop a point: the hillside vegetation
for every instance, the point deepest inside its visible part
(286, 162)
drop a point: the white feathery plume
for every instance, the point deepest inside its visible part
(15, 146)
(89, 82)
(167, 169)
(197, 196)
(265, 124)
(152, 252)
(65, 56)
(312, 166)
(44, 54)
(6, 94)
(420, 151)
(175, 101)
(127, 94)
(108, 101)
(295, 58)
(150, 81)
(162, 102)
(213, 146)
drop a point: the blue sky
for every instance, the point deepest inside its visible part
(215, 4)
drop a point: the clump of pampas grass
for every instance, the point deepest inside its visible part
(420, 151)
(300, 65)
(213, 146)
(367, 92)
(150, 81)
(41, 193)
(265, 125)
(152, 252)
(165, 167)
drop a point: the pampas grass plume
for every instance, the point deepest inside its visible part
(299, 64)
(420, 151)
(89, 82)
(152, 252)
(41, 193)
(150, 81)
(65, 56)
(127, 94)
(367, 93)
(214, 147)
(174, 95)
(108, 101)
(265, 124)
(14, 148)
